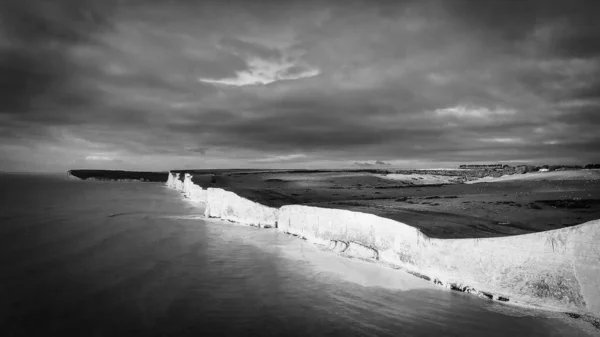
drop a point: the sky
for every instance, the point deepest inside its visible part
(178, 84)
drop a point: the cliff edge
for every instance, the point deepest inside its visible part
(557, 270)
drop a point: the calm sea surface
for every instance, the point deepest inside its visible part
(134, 259)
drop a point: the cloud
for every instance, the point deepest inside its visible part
(199, 150)
(250, 49)
(502, 140)
(473, 112)
(101, 158)
(376, 163)
(37, 36)
(365, 164)
(337, 82)
(264, 71)
(280, 158)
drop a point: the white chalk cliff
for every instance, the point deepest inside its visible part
(555, 270)
(230, 206)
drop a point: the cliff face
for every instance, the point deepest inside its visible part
(229, 206)
(193, 191)
(177, 183)
(170, 181)
(557, 270)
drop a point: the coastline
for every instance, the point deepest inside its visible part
(567, 286)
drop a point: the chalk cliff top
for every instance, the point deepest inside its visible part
(439, 205)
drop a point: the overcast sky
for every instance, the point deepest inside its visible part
(207, 84)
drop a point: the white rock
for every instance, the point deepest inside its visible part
(229, 206)
(170, 181)
(557, 269)
(178, 184)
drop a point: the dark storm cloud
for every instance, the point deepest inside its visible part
(351, 81)
(515, 20)
(249, 48)
(36, 35)
(308, 124)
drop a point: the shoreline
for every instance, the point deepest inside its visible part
(326, 248)
(227, 205)
(589, 324)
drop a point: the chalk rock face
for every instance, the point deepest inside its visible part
(170, 181)
(337, 246)
(358, 250)
(187, 184)
(229, 206)
(197, 194)
(178, 184)
(367, 230)
(189, 189)
(557, 269)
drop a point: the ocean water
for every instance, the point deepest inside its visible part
(135, 259)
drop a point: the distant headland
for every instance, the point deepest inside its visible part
(117, 175)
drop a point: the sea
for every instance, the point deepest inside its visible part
(97, 259)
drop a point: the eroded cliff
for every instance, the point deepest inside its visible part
(556, 270)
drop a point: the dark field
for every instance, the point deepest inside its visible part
(119, 175)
